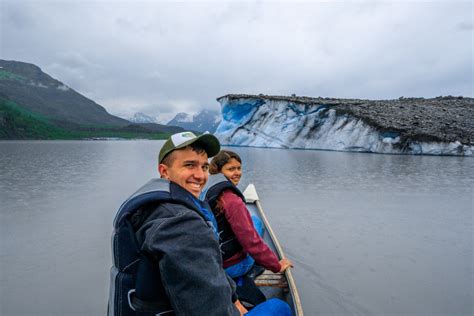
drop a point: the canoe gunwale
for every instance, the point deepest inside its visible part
(251, 192)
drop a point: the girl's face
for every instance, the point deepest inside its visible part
(233, 171)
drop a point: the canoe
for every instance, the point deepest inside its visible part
(279, 285)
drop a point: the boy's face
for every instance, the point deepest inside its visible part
(188, 169)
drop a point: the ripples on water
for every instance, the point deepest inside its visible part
(369, 234)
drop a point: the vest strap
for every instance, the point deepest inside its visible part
(143, 306)
(228, 243)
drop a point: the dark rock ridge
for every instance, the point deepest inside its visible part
(28, 86)
(440, 119)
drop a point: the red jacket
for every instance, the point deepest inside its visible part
(241, 223)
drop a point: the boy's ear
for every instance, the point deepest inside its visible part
(163, 170)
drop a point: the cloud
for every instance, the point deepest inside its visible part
(162, 58)
(465, 26)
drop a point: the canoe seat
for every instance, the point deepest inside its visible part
(268, 278)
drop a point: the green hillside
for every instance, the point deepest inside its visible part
(36, 106)
(29, 87)
(19, 123)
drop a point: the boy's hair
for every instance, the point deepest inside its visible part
(169, 158)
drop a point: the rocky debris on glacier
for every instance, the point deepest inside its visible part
(445, 119)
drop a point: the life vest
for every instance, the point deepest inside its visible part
(228, 243)
(135, 285)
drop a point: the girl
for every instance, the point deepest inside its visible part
(241, 243)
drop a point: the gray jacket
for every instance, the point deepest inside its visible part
(190, 261)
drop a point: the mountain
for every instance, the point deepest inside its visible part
(436, 126)
(204, 121)
(29, 87)
(33, 105)
(142, 118)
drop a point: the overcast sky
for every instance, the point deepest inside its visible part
(161, 57)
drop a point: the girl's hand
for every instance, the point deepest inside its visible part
(285, 264)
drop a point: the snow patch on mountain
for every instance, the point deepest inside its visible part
(182, 118)
(204, 121)
(63, 87)
(142, 118)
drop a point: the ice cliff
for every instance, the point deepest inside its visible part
(437, 126)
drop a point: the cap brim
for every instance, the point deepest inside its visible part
(208, 142)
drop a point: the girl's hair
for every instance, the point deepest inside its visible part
(219, 160)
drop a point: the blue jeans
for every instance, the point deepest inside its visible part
(257, 224)
(241, 268)
(245, 265)
(273, 306)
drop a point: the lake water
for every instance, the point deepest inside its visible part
(369, 234)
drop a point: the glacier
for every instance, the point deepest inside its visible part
(285, 122)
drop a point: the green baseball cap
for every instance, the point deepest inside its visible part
(208, 142)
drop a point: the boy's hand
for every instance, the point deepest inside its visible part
(240, 307)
